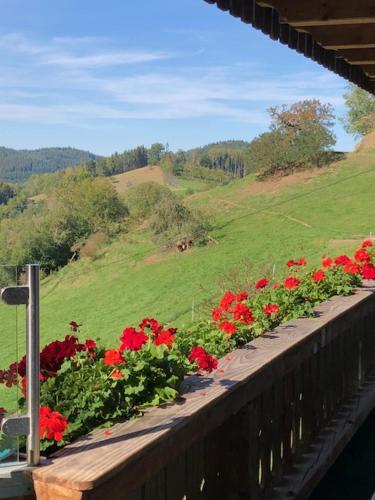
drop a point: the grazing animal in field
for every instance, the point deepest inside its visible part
(184, 244)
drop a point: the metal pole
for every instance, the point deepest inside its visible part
(33, 364)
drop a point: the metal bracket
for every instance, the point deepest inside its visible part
(15, 295)
(16, 426)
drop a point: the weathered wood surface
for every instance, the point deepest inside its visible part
(237, 431)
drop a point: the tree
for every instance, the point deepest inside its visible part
(299, 136)
(359, 119)
(155, 153)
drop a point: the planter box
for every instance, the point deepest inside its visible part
(267, 424)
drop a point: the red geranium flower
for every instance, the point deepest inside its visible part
(362, 255)
(227, 300)
(165, 337)
(2, 411)
(52, 424)
(271, 308)
(133, 340)
(368, 272)
(216, 314)
(318, 276)
(113, 357)
(243, 314)
(228, 327)
(242, 296)
(367, 243)
(117, 374)
(341, 260)
(204, 360)
(263, 282)
(327, 262)
(291, 283)
(302, 262)
(151, 323)
(352, 268)
(291, 263)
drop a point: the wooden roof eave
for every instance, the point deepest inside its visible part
(338, 34)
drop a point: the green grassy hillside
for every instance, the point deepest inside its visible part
(306, 215)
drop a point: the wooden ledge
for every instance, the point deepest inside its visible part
(133, 447)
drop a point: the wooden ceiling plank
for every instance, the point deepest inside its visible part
(332, 37)
(323, 12)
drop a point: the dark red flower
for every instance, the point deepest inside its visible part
(318, 276)
(368, 272)
(291, 283)
(217, 314)
(204, 360)
(52, 424)
(291, 263)
(113, 357)
(271, 309)
(89, 344)
(151, 323)
(74, 326)
(243, 314)
(228, 327)
(362, 255)
(133, 340)
(165, 337)
(263, 282)
(227, 300)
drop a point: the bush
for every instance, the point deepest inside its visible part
(143, 198)
(172, 220)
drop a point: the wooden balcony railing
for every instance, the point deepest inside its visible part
(267, 424)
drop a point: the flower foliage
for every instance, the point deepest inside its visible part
(84, 385)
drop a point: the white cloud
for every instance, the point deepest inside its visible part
(80, 79)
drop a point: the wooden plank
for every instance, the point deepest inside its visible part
(323, 12)
(341, 37)
(138, 445)
(329, 444)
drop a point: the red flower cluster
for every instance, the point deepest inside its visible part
(231, 310)
(52, 424)
(318, 276)
(204, 361)
(291, 283)
(113, 357)
(362, 255)
(368, 272)
(134, 340)
(271, 309)
(262, 283)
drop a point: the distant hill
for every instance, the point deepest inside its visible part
(18, 165)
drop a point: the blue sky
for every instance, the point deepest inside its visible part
(107, 76)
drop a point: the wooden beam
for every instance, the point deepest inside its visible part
(341, 37)
(369, 69)
(323, 12)
(357, 55)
